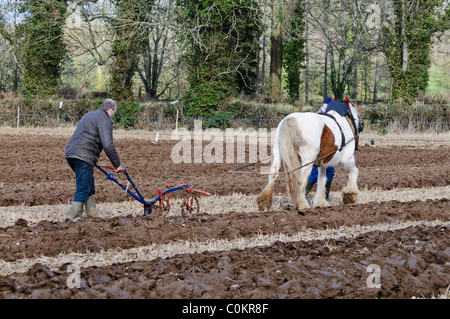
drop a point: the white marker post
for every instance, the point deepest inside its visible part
(60, 107)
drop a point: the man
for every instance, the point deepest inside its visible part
(312, 179)
(325, 103)
(93, 134)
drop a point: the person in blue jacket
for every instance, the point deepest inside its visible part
(312, 179)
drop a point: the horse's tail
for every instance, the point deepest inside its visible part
(291, 139)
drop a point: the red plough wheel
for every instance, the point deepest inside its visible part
(190, 207)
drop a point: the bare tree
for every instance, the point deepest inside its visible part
(89, 35)
(159, 50)
(307, 57)
(346, 36)
(11, 59)
(275, 52)
(262, 57)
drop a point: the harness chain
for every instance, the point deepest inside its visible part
(343, 144)
(251, 164)
(294, 169)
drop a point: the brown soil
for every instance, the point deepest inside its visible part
(95, 234)
(414, 261)
(35, 171)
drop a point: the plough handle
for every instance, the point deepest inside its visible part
(132, 183)
(110, 176)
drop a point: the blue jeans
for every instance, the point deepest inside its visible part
(315, 174)
(84, 177)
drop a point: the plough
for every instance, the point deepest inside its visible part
(190, 206)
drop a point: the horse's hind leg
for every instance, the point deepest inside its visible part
(296, 187)
(350, 192)
(264, 199)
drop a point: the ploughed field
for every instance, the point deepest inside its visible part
(394, 243)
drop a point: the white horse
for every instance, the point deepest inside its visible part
(306, 139)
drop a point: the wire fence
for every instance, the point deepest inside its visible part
(172, 122)
(156, 118)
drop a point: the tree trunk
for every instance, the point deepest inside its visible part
(262, 73)
(375, 85)
(325, 76)
(404, 43)
(327, 44)
(155, 70)
(355, 76)
(366, 85)
(306, 54)
(275, 55)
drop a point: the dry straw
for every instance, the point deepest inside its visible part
(210, 204)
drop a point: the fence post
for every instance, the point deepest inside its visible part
(18, 119)
(60, 107)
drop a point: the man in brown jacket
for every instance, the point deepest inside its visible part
(93, 134)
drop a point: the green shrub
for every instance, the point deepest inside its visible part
(126, 114)
(219, 119)
(381, 117)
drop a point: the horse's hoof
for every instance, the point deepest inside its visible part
(264, 201)
(264, 206)
(299, 208)
(349, 198)
(320, 203)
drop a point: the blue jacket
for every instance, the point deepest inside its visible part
(342, 109)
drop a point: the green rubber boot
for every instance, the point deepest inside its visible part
(76, 210)
(90, 206)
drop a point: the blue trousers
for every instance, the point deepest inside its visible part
(315, 174)
(84, 177)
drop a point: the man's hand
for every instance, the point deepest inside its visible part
(119, 169)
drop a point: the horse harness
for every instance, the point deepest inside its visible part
(356, 130)
(351, 121)
(340, 129)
